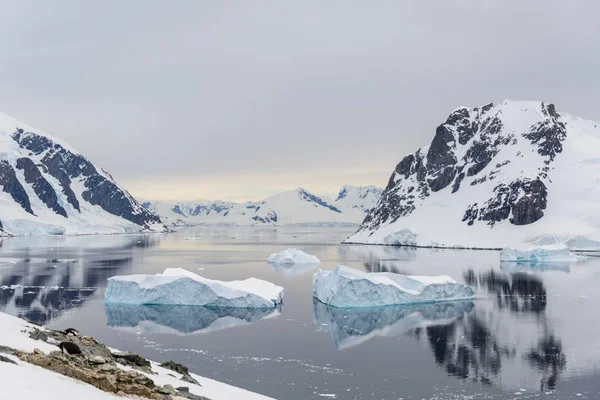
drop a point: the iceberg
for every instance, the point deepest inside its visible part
(293, 256)
(541, 254)
(351, 327)
(182, 319)
(177, 286)
(292, 270)
(348, 287)
(404, 237)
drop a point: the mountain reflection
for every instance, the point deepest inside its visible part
(183, 319)
(519, 292)
(41, 288)
(481, 346)
(349, 327)
(549, 359)
(472, 341)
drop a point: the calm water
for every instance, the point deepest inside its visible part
(534, 331)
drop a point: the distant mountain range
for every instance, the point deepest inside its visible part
(49, 188)
(297, 206)
(493, 176)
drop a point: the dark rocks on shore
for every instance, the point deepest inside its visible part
(97, 366)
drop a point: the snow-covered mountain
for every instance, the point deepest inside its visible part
(360, 197)
(297, 206)
(49, 188)
(497, 175)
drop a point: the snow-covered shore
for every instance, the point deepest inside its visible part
(27, 381)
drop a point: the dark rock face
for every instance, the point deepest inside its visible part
(549, 134)
(270, 217)
(65, 166)
(466, 148)
(523, 201)
(177, 210)
(11, 185)
(40, 185)
(304, 195)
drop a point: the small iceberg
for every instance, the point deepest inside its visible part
(292, 256)
(178, 286)
(348, 287)
(182, 320)
(541, 254)
(292, 270)
(351, 327)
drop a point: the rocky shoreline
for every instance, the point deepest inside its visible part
(121, 373)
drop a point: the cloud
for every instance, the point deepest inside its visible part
(267, 95)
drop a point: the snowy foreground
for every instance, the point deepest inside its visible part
(27, 381)
(542, 254)
(293, 256)
(347, 287)
(178, 286)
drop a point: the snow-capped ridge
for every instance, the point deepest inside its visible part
(494, 176)
(50, 188)
(297, 206)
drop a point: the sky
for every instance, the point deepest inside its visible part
(238, 100)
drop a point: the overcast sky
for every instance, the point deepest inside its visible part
(239, 100)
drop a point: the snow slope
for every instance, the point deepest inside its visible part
(47, 187)
(495, 176)
(297, 206)
(26, 381)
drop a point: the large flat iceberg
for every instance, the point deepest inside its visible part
(541, 254)
(178, 286)
(347, 287)
(292, 256)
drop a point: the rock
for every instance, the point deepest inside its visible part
(173, 366)
(133, 358)
(108, 368)
(184, 392)
(187, 378)
(37, 351)
(167, 389)
(97, 360)
(39, 335)
(7, 350)
(7, 360)
(107, 376)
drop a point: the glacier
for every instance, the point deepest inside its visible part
(540, 254)
(348, 287)
(292, 256)
(177, 286)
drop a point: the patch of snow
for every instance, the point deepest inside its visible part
(293, 256)
(348, 287)
(178, 286)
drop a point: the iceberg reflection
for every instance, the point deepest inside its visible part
(522, 266)
(350, 327)
(182, 319)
